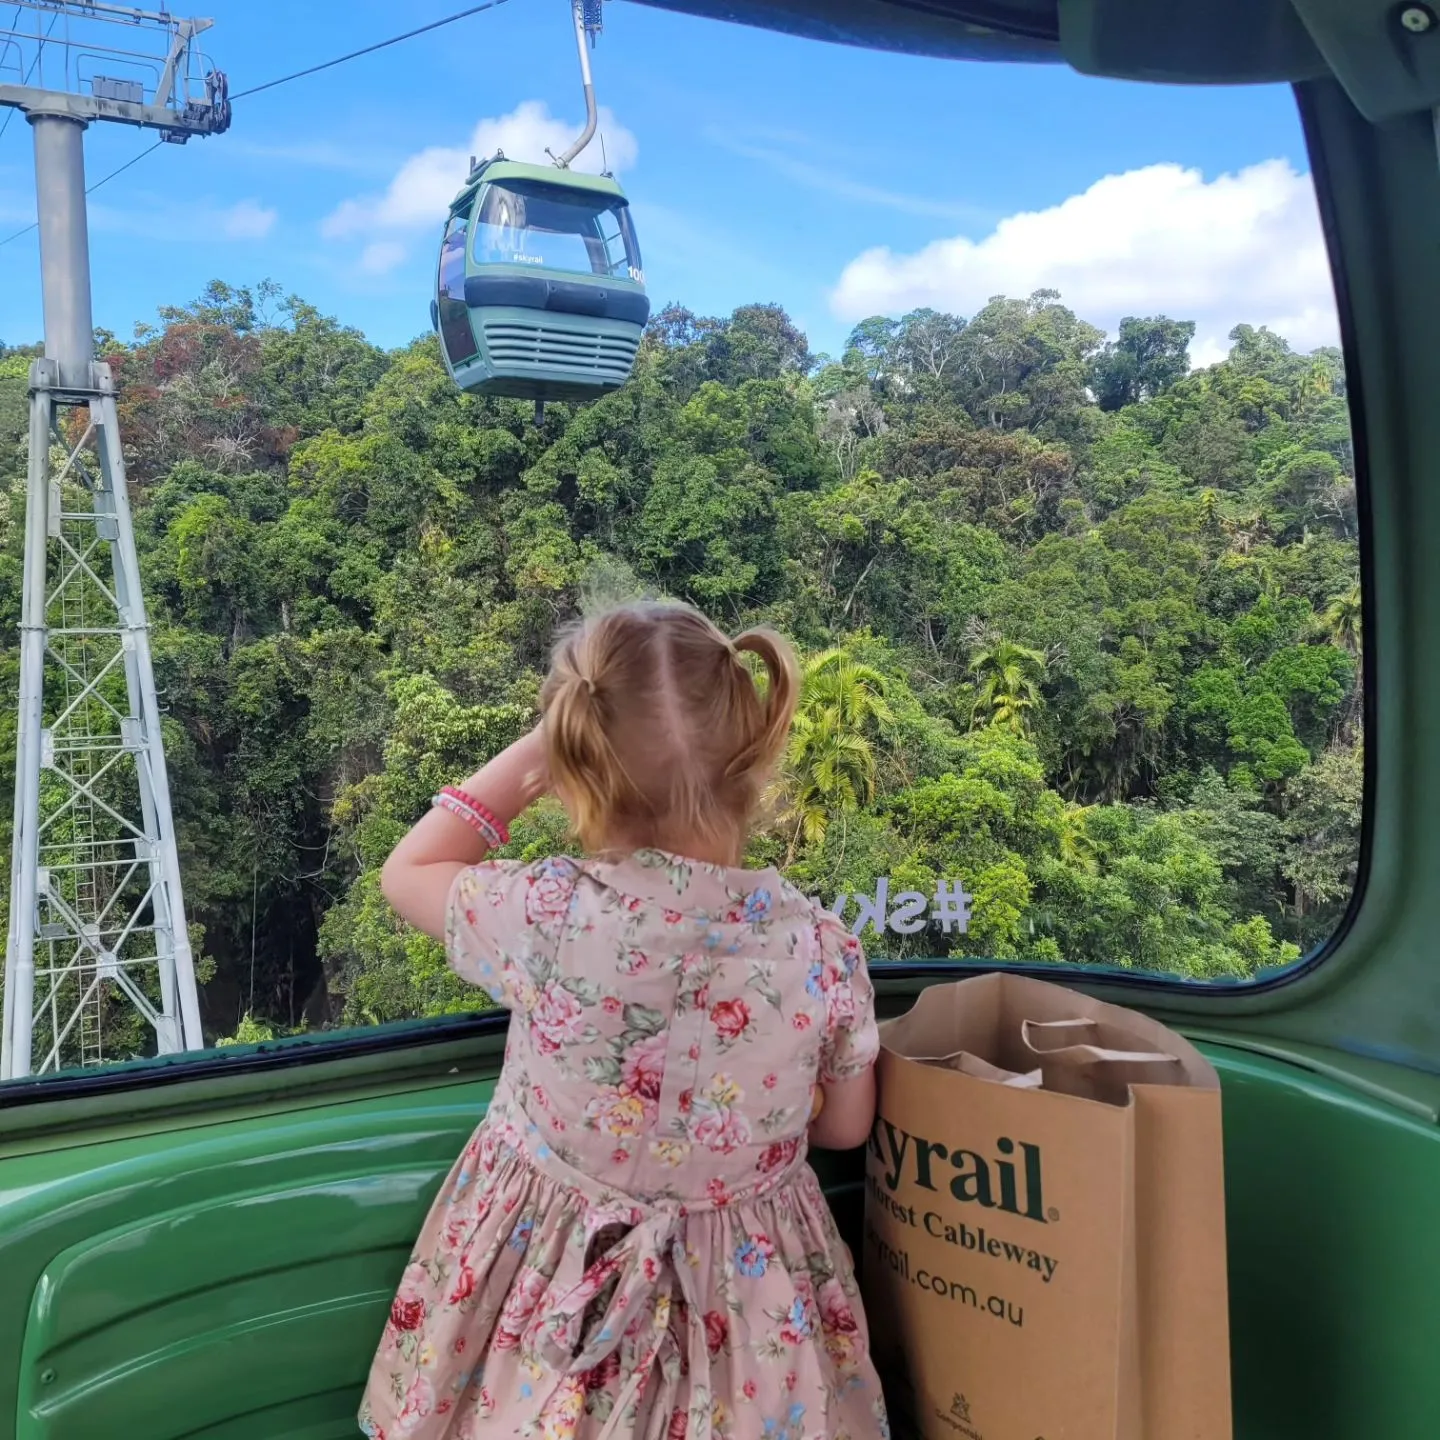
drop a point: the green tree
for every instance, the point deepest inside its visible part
(1008, 678)
(831, 758)
(1344, 620)
(1145, 359)
(1322, 859)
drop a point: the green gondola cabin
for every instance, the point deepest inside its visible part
(540, 292)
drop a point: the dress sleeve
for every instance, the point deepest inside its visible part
(852, 1038)
(504, 916)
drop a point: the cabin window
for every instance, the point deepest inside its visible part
(1037, 445)
(534, 224)
(455, 330)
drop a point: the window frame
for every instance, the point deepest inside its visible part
(1198, 999)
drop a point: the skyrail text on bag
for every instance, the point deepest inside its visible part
(939, 1285)
(964, 1237)
(973, 1181)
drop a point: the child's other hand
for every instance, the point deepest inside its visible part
(842, 1112)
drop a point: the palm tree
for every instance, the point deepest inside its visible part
(1008, 679)
(1316, 383)
(831, 760)
(1077, 846)
(832, 770)
(1210, 516)
(1248, 530)
(1343, 620)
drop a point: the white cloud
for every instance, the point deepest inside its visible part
(1242, 247)
(427, 182)
(380, 257)
(247, 220)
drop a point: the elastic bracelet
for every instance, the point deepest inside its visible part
(484, 812)
(479, 817)
(478, 823)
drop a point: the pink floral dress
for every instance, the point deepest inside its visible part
(632, 1244)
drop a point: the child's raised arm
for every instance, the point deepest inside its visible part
(417, 877)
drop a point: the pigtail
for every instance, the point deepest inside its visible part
(584, 767)
(781, 696)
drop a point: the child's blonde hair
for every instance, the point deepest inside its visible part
(656, 730)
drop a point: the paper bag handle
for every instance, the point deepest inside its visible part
(964, 1063)
(1092, 1072)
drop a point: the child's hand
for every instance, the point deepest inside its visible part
(842, 1112)
(417, 877)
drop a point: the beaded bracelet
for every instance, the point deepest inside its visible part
(493, 828)
(475, 817)
(479, 817)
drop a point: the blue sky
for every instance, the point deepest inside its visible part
(838, 182)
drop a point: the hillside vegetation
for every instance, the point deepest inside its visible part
(1081, 628)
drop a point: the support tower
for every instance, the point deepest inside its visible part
(97, 952)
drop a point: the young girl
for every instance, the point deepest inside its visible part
(632, 1244)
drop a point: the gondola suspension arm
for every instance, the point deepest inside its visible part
(586, 15)
(585, 26)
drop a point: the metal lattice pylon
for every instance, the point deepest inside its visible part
(97, 949)
(97, 914)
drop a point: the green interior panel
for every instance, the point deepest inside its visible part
(186, 1278)
(229, 1277)
(1332, 1271)
(1169, 40)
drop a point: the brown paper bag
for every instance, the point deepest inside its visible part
(1044, 1249)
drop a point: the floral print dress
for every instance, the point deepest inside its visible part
(632, 1243)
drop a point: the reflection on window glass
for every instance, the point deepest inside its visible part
(455, 329)
(522, 223)
(1059, 508)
